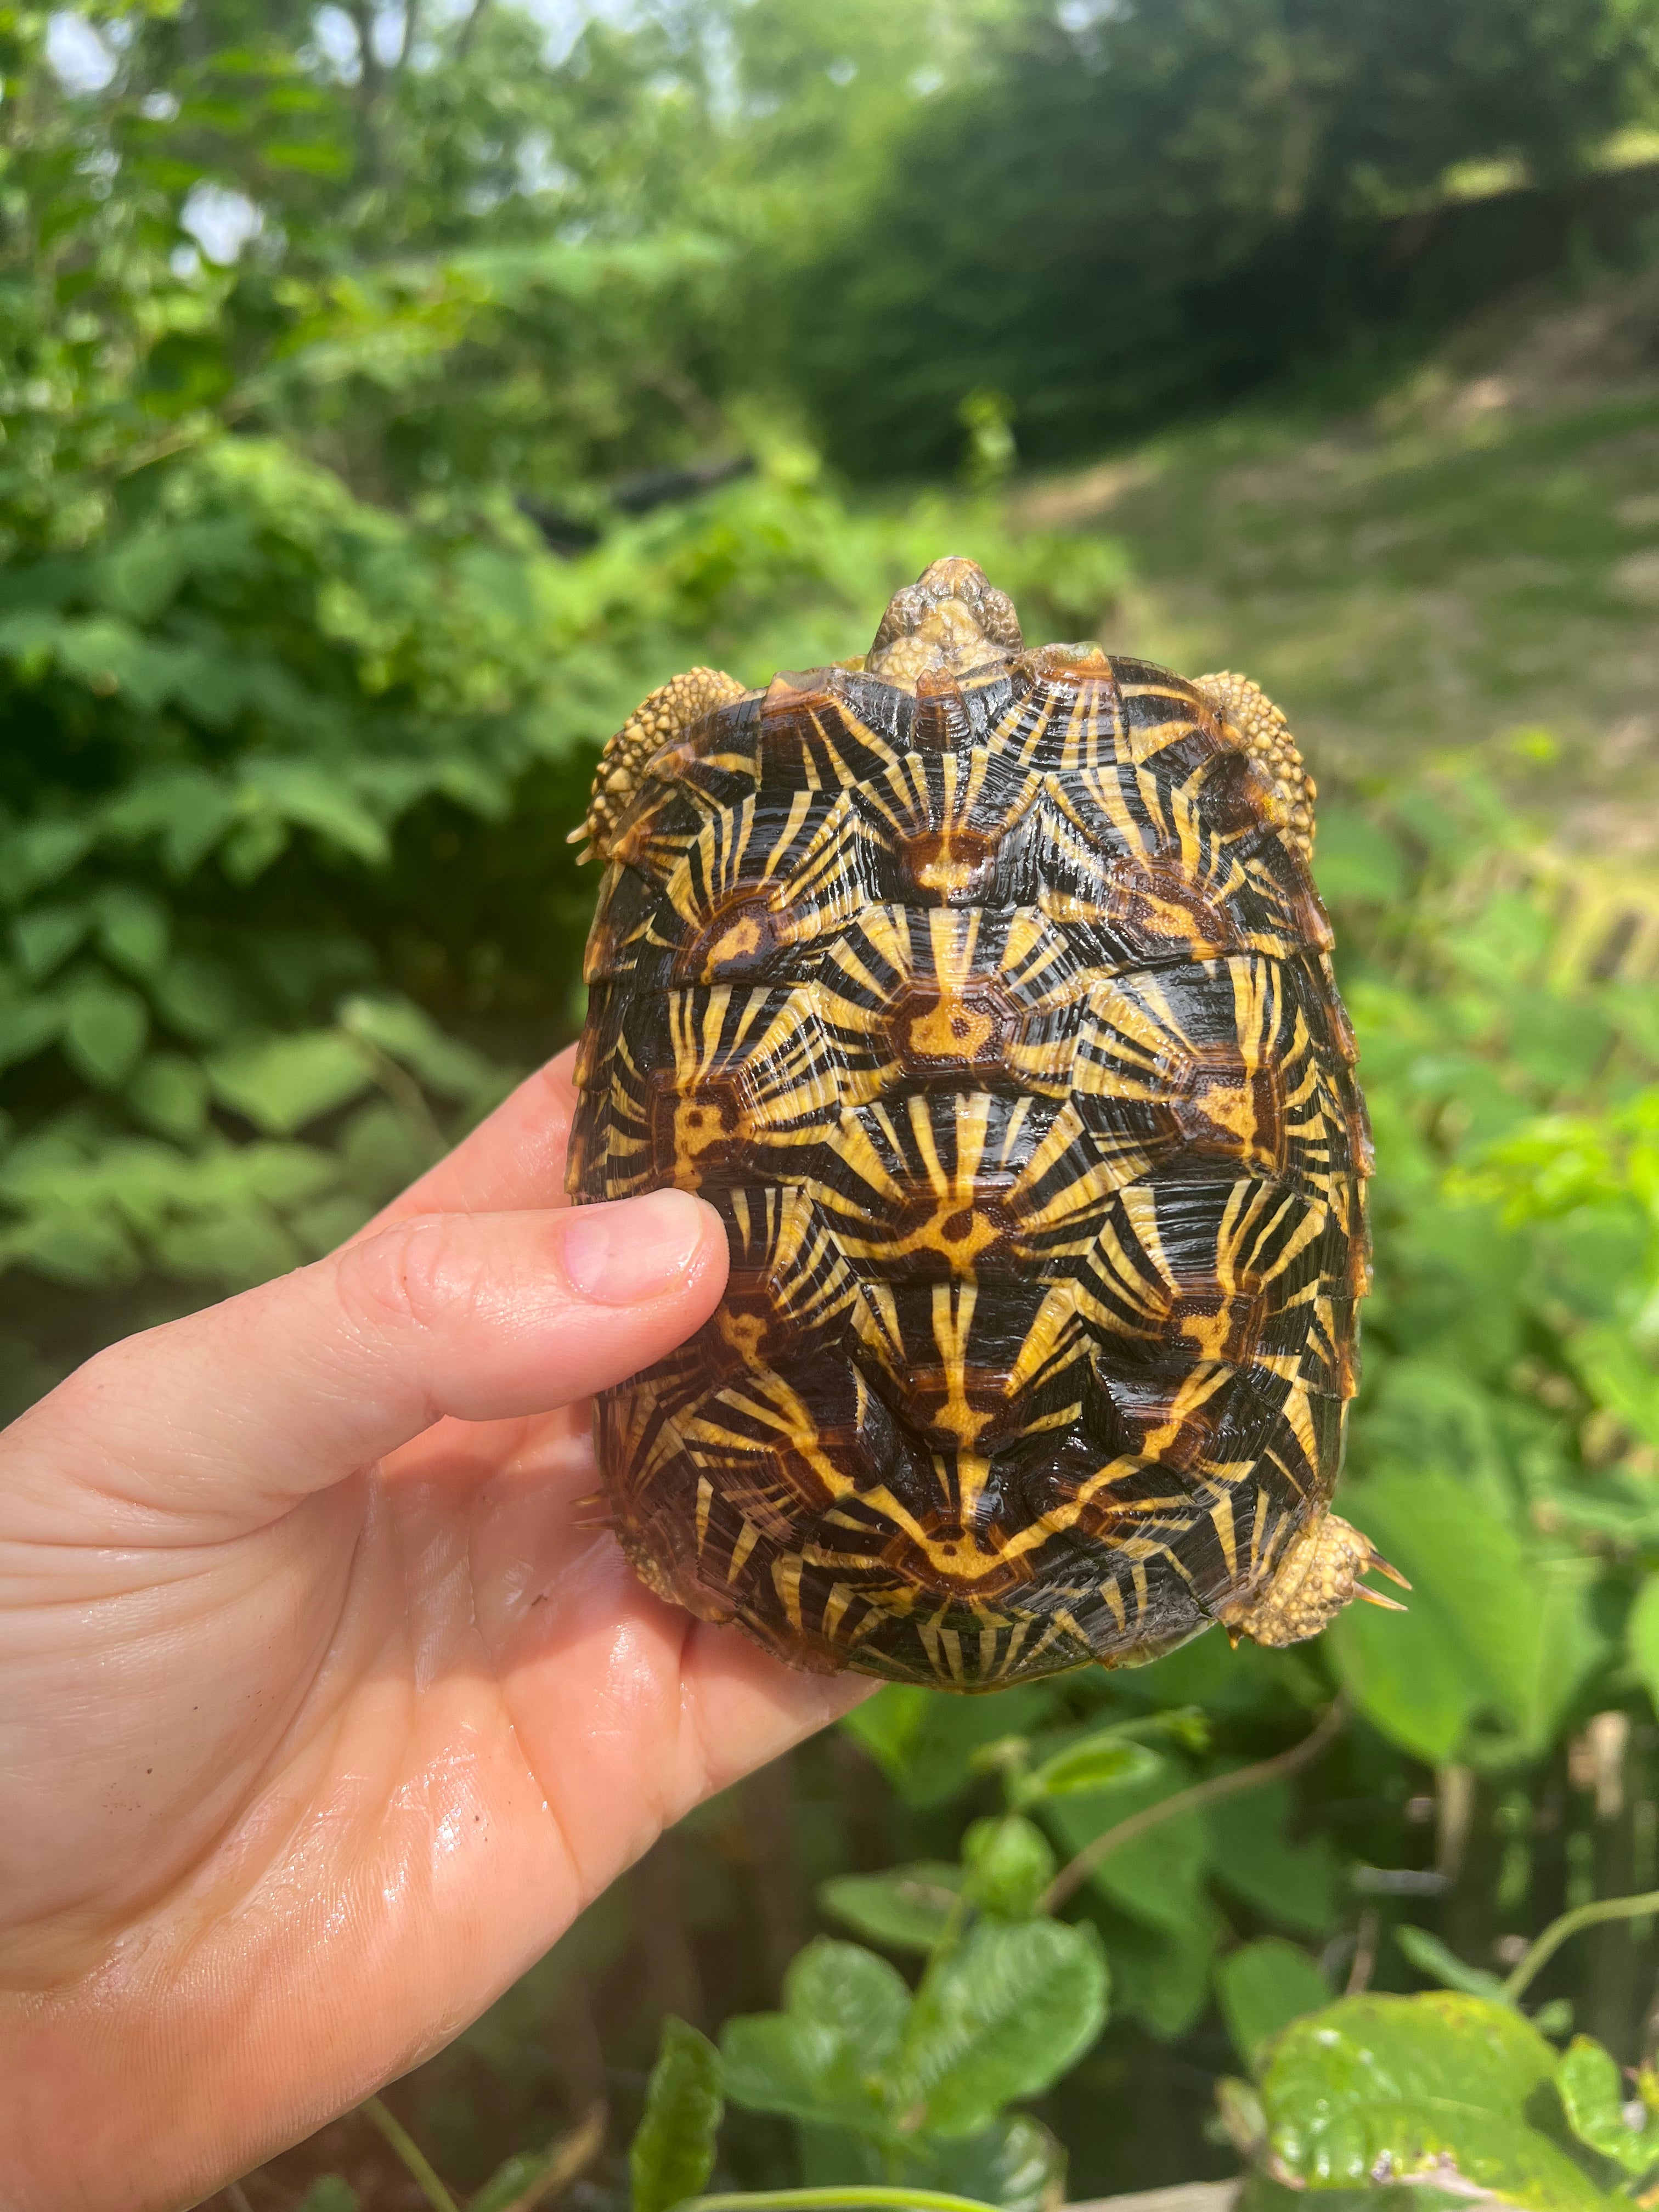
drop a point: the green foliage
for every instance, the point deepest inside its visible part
(1177, 199)
(914, 2088)
(1262, 1987)
(672, 2154)
(300, 704)
(1379, 2088)
(329, 2194)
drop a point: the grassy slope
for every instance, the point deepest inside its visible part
(1470, 562)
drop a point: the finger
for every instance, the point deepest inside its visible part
(238, 1410)
(513, 1158)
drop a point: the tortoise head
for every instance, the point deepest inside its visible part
(952, 619)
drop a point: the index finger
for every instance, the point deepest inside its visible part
(512, 1162)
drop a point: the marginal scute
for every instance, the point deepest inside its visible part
(984, 992)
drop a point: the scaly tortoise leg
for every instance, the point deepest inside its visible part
(1251, 719)
(655, 722)
(1316, 1578)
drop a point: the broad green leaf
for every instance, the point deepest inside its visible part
(1162, 1972)
(282, 1082)
(1105, 1761)
(105, 1026)
(406, 1034)
(829, 2056)
(1001, 2016)
(169, 1093)
(204, 999)
(88, 1247)
(1016, 2163)
(26, 1027)
(1431, 1957)
(1297, 1883)
(329, 2194)
(1400, 2088)
(1262, 1987)
(1592, 2093)
(232, 1249)
(1616, 1375)
(1009, 1863)
(1642, 1636)
(513, 2179)
(133, 931)
(44, 938)
(1156, 1877)
(905, 1909)
(308, 796)
(672, 2152)
(924, 1741)
(252, 846)
(41, 853)
(1492, 1624)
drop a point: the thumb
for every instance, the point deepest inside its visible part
(238, 1410)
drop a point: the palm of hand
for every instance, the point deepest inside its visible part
(310, 1778)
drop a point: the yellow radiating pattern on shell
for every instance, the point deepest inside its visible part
(986, 993)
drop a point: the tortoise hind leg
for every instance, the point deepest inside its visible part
(1316, 1578)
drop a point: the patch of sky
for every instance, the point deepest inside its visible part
(221, 220)
(82, 62)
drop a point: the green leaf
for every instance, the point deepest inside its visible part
(1493, 1625)
(1592, 2093)
(1016, 2163)
(232, 1249)
(402, 1031)
(1262, 1987)
(1009, 1863)
(88, 1247)
(1001, 2016)
(905, 1909)
(329, 2194)
(828, 2057)
(1431, 1957)
(202, 998)
(1108, 1760)
(672, 2152)
(169, 1093)
(1158, 1877)
(44, 938)
(28, 1028)
(1400, 2088)
(307, 795)
(105, 1026)
(1295, 1883)
(924, 1741)
(133, 931)
(41, 853)
(282, 1082)
(1641, 1634)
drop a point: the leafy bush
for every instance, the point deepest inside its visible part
(299, 707)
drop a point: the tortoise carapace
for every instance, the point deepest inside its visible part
(986, 994)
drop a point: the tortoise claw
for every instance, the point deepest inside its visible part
(1375, 1598)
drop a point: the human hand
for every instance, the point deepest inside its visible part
(321, 1716)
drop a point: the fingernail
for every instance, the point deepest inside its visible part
(633, 1249)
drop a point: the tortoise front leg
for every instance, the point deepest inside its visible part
(655, 722)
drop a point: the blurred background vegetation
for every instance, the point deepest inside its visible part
(390, 395)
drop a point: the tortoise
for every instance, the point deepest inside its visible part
(986, 993)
